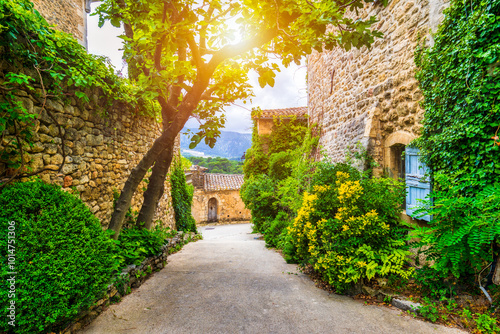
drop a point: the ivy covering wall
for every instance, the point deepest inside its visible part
(182, 199)
(48, 64)
(459, 76)
(460, 80)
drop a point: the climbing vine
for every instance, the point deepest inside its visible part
(182, 199)
(459, 77)
(46, 63)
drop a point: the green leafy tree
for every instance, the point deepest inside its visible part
(183, 55)
(218, 165)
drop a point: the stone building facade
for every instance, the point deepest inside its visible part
(216, 197)
(265, 119)
(371, 95)
(68, 15)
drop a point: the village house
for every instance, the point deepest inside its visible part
(68, 15)
(265, 118)
(216, 197)
(371, 95)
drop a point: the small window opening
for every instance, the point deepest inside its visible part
(397, 161)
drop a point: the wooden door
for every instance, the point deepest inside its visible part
(212, 210)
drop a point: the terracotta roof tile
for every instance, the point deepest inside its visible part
(300, 112)
(216, 182)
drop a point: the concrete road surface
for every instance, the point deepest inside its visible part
(230, 283)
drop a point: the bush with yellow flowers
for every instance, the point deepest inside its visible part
(348, 229)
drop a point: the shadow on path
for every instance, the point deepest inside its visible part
(230, 283)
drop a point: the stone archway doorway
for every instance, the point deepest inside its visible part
(212, 210)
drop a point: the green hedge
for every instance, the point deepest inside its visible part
(63, 259)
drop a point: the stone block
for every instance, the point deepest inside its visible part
(56, 159)
(51, 149)
(405, 305)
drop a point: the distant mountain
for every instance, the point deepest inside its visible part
(229, 145)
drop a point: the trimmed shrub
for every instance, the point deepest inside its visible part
(136, 244)
(63, 259)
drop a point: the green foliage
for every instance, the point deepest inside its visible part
(136, 244)
(178, 50)
(462, 228)
(288, 133)
(186, 163)
(182, 198)
(486, 323)
(429, 311)
(30, 44)
(274, 182)
(219, 165)
(347, 236)
(280, 165)
(459, 78)
(259, 195)
(256, 160)
(275, 232)
(63, 259)
(433, 283)
(33, 53)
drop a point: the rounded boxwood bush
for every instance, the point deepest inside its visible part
(63, 258)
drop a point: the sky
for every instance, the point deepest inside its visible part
(289, 89)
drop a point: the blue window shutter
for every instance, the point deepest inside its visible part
(418, 185)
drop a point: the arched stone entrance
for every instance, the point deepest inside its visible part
(212, 210)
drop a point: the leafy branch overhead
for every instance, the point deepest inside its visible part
(194, 57)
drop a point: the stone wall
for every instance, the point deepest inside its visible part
(265, 126)
(369, 95)
(101, 151)
(68, 16)
(230, 207)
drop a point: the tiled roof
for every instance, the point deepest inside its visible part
(215, 182)
(300, 112)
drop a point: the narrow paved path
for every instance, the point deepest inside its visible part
(230, 283)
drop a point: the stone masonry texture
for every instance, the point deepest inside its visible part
(101, 151)
(68, 16)
(365, 95)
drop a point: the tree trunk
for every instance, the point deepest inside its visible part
(155, 188)
(166, 140)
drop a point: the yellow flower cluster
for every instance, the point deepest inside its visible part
(303, 216)
(321, 189)
(350, 191)
(328, 243)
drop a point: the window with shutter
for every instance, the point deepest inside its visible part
(418, 185)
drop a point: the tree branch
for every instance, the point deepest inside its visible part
(195, 52)
(159, 42)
